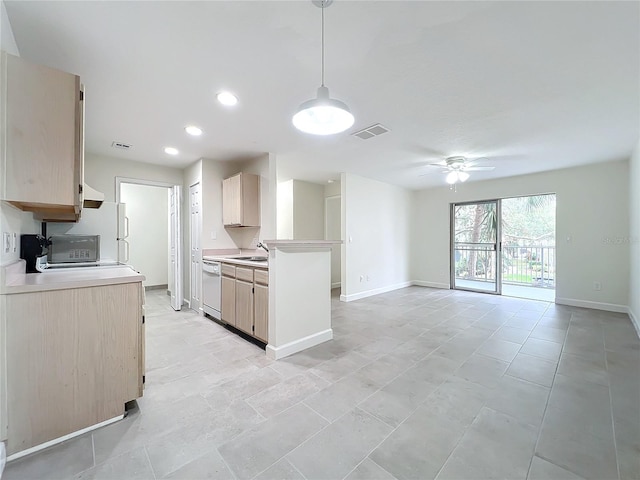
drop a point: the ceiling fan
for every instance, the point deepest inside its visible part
(457, 167)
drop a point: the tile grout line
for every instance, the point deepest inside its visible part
(146, 453)
(613, 423)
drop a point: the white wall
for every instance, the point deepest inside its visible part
(376, 224)
(285, 210)
(249, 237)
(592, 215)
(213, 173)
(308, 211)
(148, 212)
(634, 238)
(300, 210)
(100, 172)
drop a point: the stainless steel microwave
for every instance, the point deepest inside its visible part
(74, 249)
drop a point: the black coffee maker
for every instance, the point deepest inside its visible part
(31, 248)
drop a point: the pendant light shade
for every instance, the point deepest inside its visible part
(323, 115)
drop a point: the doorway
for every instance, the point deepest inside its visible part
(149, 227)
(505, 247)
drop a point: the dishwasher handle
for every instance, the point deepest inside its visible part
(213, 268)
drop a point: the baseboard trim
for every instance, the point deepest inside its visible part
(276, 353)
(157, 287)
(608, 307)
(64, 438)
(375, 291)
(634, 320)
(422, 283)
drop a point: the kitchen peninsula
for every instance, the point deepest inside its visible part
(286, 303)
(299, 295)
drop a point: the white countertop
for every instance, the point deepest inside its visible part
(60, 279)
(230, 259)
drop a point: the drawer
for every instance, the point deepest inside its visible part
(228, 270)
(262, 277)
(245, 274)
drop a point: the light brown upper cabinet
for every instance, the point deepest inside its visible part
(241, 201)
(43, 133)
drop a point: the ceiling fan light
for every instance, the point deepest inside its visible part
(452, 177)
(463, 176)
(323, 115)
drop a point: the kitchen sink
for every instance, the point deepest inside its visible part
(252, 259)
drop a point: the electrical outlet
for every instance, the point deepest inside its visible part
(6, 242)
(597, 286)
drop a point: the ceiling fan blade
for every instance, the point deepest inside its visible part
(478, 169)
(439, 164)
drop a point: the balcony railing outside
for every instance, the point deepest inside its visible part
(533, 266)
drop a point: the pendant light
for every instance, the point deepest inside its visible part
(323, 115)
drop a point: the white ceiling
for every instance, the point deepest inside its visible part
(532, 86)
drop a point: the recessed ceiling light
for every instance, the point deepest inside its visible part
(227, 98)
(171, 150)
(193, 130)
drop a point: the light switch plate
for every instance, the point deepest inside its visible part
(14, 242)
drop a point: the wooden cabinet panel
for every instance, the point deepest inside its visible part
(228, 270)
(241, 201)
(244, 306)
(72, 360)
(261, 277)
(232, 201)
(228, 300)
(43, 158)
(261, 312)
(244, 274)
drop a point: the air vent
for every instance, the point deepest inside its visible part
(122, 146)
(370, 132)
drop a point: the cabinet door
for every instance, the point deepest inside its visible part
(72, 360)
(228, 301)
(244, 306)
(261, 320)
(43, 137)
(232, 201)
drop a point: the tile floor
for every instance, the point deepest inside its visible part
(418, 383)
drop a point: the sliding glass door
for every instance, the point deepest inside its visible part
(474, 250)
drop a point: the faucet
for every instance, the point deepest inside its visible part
(260, 245)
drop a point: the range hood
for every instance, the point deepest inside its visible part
(92, 197)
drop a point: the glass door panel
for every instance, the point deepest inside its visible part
(474, 252)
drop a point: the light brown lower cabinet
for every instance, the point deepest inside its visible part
(245, 300)
(73, 359)
(261, 309)
(228, 300)
(244, 306)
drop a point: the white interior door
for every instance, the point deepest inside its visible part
(175, 248)
(333, 222)
(196, 253)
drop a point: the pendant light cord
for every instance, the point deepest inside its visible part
(322, 37)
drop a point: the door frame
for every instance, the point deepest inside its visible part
(333, 198)
(179, 280)
(497, 246)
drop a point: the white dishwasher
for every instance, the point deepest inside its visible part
(211, 282)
